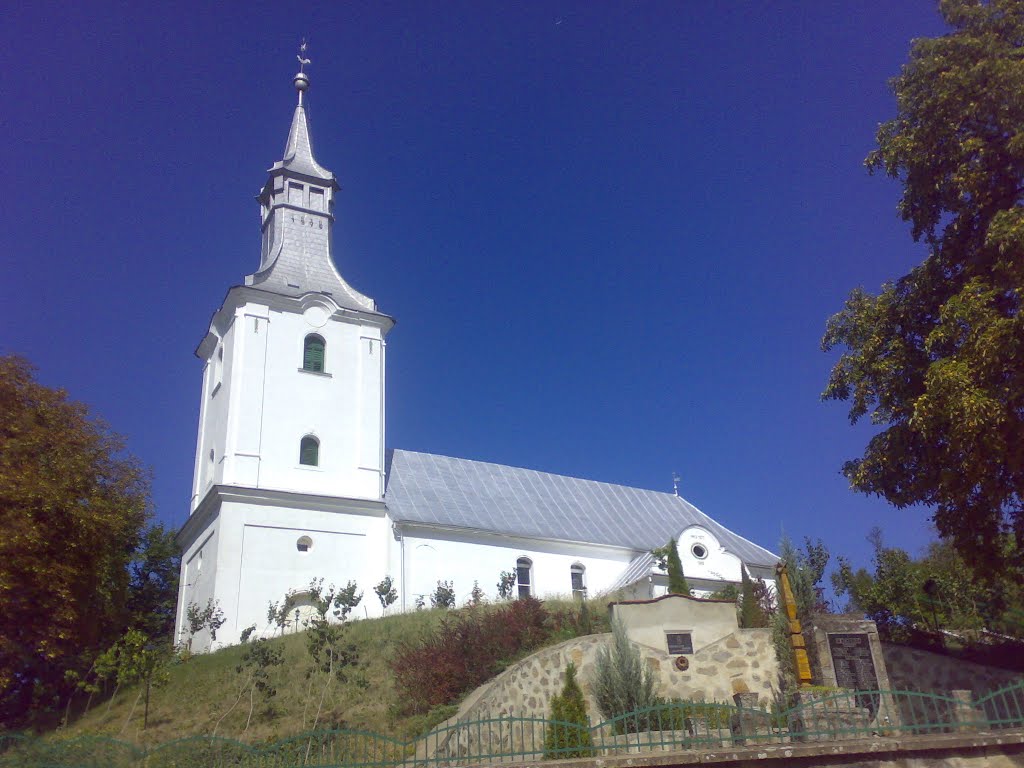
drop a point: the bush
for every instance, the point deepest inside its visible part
(568, 731)
(469, 648)
(444, 595)
(623, 683)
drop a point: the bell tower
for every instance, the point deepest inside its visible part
(290, 449)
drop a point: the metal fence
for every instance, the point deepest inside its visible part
(680, 725)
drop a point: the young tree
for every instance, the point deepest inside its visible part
(199, 617)
(260, 657)
(622, 682)
(506, 585)
(444, 595)
(135, 658)
(568, 731)
(752, 612)
(668, 560)
(938, 356)
(386, 593)
(476, 595)
(331, 656)
(72, 507)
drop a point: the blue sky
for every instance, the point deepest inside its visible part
(611, 233)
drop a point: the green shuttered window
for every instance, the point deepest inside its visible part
(313, 354)
(309, 452)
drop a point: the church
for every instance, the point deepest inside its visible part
(293, 480)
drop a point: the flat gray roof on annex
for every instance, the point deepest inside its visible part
(475, 495)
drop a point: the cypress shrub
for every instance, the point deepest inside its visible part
(568, 731)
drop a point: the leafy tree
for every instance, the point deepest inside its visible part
(668, 560)
(344, 600)
(937, 358)
(153, 588)
(568, 731)
(331, 655)
(752, 610)
(443, 596)
(622, 682)
(72, 507)
(937, 591)
(136, 658)
(476, 595)
(259, 658)
(506, 583)
(199, 617)
(386, 593)
(278, 612)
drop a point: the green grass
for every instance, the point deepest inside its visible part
(206, 693)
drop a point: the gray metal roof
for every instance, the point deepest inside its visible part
(301, 261)
(443, 491)
(298, 150)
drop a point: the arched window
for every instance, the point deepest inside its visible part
(524, 576)
(309, 451)
(313, 353)
(304, 544)
(579, 587)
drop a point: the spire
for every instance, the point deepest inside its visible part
(297, 218)
(298, 151)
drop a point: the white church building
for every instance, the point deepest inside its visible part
(293, 480)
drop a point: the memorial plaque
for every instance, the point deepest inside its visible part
(679, 643)
(854, 667)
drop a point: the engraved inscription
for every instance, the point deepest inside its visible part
(679, 642)
(851, 659)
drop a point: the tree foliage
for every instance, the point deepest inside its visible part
(568, 731)
(153, 585)
(386, 593)
(443, 595)
(668, 560)
(937, 358)
(72, 507)
(622, 682)
(755, 602)
(938, 591)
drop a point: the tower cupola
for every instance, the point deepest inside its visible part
(297, 219)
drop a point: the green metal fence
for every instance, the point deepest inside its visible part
(680, 725)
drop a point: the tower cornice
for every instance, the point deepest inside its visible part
(239, 295)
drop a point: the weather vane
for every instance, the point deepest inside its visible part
(675, 483)
(303, 61)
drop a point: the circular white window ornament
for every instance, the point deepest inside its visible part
(699, 551)
(316, 316)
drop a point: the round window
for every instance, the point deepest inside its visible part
(699, 551)
(304, 544)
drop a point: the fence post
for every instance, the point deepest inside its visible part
(968, 718)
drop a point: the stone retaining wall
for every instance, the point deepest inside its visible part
(910, 668)
(741, 662)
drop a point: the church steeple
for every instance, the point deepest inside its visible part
(297, 219)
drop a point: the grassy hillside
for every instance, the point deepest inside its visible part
(207, 694)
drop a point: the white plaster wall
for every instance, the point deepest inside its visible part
(197, 583)
(718, 565)
(647, 622)
(219, 367)
(421, 560)
(259, 561)
(342, 408)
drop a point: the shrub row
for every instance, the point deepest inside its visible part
(469, 648)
